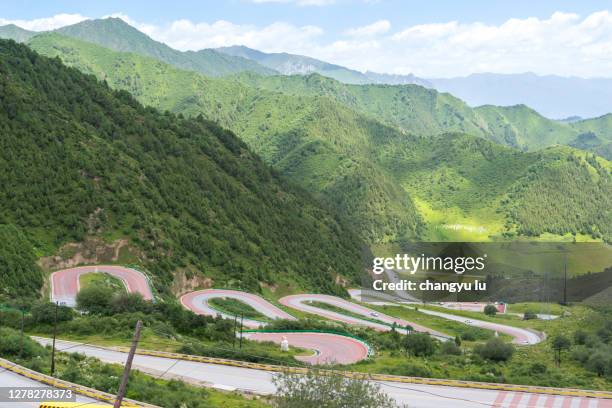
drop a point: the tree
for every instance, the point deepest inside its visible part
(560, 343)
(129, 302)
(600, 362)
(419, 344)
(495, 350)
(328, 389)
(490, 310)
(94, 299)
(458, 341)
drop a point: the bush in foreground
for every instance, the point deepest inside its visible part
(490, 310)
(318, 389)
(495, 350)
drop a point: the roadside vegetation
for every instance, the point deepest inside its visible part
(101, 279)
(237, 308)
(90, 372)
(576, 353)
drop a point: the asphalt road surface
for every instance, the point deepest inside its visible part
(65, 283)
(260, 382)
(519, 336)
(197, 302)
(328, 348)
(301, 302)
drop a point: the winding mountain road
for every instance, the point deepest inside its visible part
(65, 283)
(329, 348)
(519, 335)
(302, 303)
(197, 302)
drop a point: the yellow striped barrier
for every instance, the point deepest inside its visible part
(381, 377)
(76, 388)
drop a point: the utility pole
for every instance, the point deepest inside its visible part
(235, 329)
(241, 319)
(54, 336)
(565, 281)
(21, 341)
(128, 366)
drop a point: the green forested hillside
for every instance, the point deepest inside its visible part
(390, 184)
(115, 34)
(568, 191)
(412, 108)
(77, 159)
(522, 127)
(281, 128)
(19, 274)
(595, 135)
(423, 111)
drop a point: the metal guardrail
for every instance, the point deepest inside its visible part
(76, 388)
(383, 377)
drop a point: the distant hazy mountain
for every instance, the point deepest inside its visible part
(292, 64)
(394, 79)
(553, 96)
(12, 32)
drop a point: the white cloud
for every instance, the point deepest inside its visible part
(298, 2)
(47, 23)
(562, 44)
(378, 27)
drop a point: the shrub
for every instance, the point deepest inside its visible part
(332, 390)
(538, 368)
(419, 344)
(450, 348)
(530, 315)
(490, 310)
(580, 337)
(495, 350)
(10, 318)
(581, 354)
(44, 312)
(94, 299)
(600, 362)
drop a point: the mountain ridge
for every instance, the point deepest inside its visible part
(116, 34)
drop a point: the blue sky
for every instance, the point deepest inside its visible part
(335, 17)
(429, 38)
